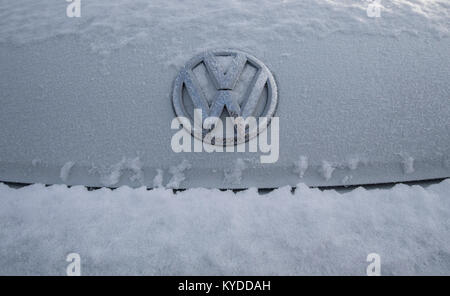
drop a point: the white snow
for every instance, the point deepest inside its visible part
(234, 175)
(115, 172)
(65, 170)
(326, 170)
(106, 25)
(347, 179)
(212, 232)
(178, 174)
(353, 163)
(407, 164)
(36, 162)
(301, 166)
(158, 179)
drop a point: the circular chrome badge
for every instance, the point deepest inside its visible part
(220, 80)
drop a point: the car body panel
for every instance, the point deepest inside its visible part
(363, 107)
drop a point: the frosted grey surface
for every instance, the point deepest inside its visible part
(88, 101)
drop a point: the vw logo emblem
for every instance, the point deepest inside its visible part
(231, 80)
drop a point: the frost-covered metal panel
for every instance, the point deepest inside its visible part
(88, 100)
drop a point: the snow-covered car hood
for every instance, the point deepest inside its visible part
(88, 100)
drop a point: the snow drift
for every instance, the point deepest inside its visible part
(212, 232)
